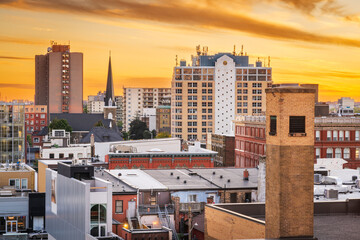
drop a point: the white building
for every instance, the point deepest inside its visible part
(346, 106)
(149, 116)
(95, 106)
(137, 99)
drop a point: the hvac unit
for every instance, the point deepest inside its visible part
(317, 178)
(331, 193)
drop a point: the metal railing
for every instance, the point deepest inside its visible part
(195, 207)
(251, 118)
(129, 219)
(337, 120)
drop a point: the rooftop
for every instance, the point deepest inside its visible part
(14, 167)
(137, 179)
(118, 186)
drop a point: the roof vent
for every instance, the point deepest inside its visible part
(185, 181)
(178, 177)
(228, 180)
(354, 178)
(213, 173)
(119, 174)
(221, 176)
(171, 173)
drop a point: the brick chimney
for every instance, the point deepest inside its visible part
(289, 162)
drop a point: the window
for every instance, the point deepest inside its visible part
(36, 140)
(297, 124)
(118, 206)
(51, 155)
(357, 153)
(337, 152)
(24, 183)
(347, 135)
(335, 135)
(192, 198)
(341, 135)
(346, 153)
(329, 153)
(272, 126)
(178, 84)
(328, 135)
(317, 135)
(357, 135)
(317, 152)
(98, 220)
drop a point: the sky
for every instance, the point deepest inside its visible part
(308, 41)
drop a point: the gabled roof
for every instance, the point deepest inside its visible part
(102, 134)
(43, 132)
(79, 121)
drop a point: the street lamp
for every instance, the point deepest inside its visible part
(195, 224)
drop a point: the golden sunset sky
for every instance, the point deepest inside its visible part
(309, 41)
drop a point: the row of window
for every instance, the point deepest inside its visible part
(336, 135)
(189, 77)
(192, 124)
(19, 183)
(337, 153)
(36, 115)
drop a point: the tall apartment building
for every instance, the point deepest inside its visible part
(346, 106)
(137, 99)
(35, 118)
(59, 80)
(210, 93)
(119, 100)
(12, 132)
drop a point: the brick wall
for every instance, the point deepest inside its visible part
(221, 224)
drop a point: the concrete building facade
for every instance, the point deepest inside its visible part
(59, 80)
(137, 99)
(210, 93)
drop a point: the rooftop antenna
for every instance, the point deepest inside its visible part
(198, 51)
(205, 50)
(234, 52)
(109, 53)
(242, 50)
(268, 61)
(176, 60)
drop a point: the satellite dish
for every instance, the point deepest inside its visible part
(49, 49)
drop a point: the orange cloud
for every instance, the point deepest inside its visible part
(189, 14)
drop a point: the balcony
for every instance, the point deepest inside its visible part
(155, 209)
(194, 207)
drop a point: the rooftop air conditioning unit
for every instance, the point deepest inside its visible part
(331, 193)
(317, 178)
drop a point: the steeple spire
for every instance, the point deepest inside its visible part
(109, 97)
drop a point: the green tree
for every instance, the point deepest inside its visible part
(147, 134)
(99, 124)
(154, 133)
(137, 129)
(125, 135)
(28, 139)
(163, 135)
(60, 124)
(119, 124)
(85, 110)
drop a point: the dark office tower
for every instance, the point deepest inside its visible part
(109, 88)
(59, 80)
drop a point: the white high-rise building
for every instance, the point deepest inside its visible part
(208, 94)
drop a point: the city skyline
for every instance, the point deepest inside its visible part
(308, 41)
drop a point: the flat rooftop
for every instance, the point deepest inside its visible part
(13, 167)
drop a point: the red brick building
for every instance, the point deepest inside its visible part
(337, 137)
(35, 118)
(160, 160)
(249, 141)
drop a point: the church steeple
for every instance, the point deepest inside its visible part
(109, 87)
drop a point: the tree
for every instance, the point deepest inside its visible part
(147, 134)
(154, 133)
(137, 129)
(163, 135)
(85, 110)
(28, 139)
(119, 125)
(99, 124)
(125, 135)
(60, 124)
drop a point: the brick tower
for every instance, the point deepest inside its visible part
(289, 162)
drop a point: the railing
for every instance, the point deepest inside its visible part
(172, 227)
(129, 219)
(251, 118)
(337, 120)
(139, 219)
(195, 207)
(154, 209)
